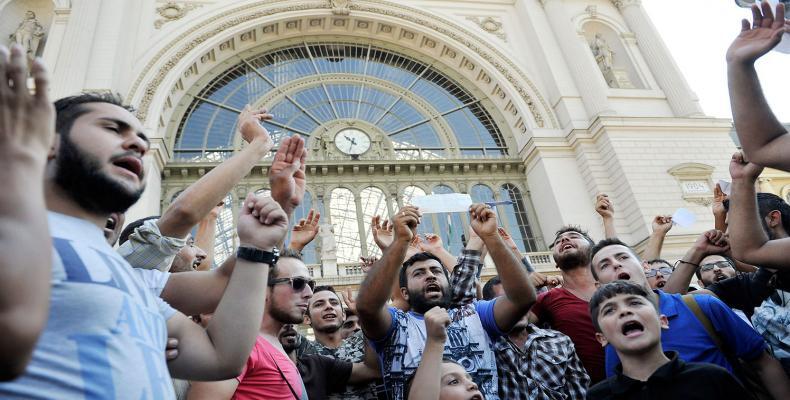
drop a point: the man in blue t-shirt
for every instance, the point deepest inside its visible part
(106, 331)
(399, 337)
(613, 260)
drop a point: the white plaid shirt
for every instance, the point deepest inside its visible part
(148, 249)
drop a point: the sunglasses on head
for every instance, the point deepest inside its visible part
(665, 271)
(297, 283)
(720, 264)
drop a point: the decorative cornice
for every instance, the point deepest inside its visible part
(494, 57)
(623, 3)
(492, 25)
(173, 11)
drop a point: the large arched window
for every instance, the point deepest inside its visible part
(309, 85)
(514, 216)
(373, 202)
(343, 212)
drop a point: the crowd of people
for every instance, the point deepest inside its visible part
(89, 310)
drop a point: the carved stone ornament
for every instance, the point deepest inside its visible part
(491, 25)
(695, 182)
(29, 34)
(172, 11)
(340, 7)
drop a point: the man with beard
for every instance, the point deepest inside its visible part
(657, 271)
(322, 374)
(399, 337)
(613, 260)
(326, 315)
(269, 372)
(566, 308)
(106, 332)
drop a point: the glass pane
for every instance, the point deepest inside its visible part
(482, 194)
(450, 227)
(224, 238)
(410, 192)
(515, 216)
(343, 212)
(374, 202)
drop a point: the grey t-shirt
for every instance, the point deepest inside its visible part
(106, 333)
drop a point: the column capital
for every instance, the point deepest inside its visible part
(623, 3)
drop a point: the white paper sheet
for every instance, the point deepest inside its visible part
(683, 218)
(437, 203)
(725, 186)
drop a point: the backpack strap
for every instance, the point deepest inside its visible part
(691, 303)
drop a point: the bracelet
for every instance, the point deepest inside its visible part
(686, 262)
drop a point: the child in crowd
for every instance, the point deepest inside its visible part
(437, 378)
(624, 316)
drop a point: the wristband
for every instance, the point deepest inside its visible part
(258, 256)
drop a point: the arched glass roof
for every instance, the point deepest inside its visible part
(313, 84)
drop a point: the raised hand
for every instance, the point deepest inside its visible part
(250, 127)
(538, 280)
(367, 263)
(432, 243)
(415, 246)
(718, 201)
(554, 281)
(483, 220)
(262, 222)
(759, 37)
(382, 232)
(742, 169)
(712, 242)
(27, 120)
(603, 206)
(405, 223)
(214, 213)
(508, 240)
(662, 224)
(287, 173)
(436, 322)
(305, 230)
(348, 298)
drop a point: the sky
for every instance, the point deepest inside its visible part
(698, 33)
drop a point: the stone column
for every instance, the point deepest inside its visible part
(681, 98)
(579, 59)
(363, 242)
(73, 58)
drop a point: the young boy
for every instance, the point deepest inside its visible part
(624, 316)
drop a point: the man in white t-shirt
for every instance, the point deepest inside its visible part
(106, 332)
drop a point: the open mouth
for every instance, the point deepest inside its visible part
(433, 288)
(131, 164)
(567, 247)
(719, 277)
(661, 284)
(624, 276)
(476, 397)
(632, 328)
(329, 317)
(196, 263)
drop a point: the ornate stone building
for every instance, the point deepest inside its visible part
(536, 104)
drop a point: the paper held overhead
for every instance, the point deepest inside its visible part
(438, 203)
(683, 218)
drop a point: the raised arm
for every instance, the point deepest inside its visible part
(220, 351)
(718, 209)
(194, 203)
(605, 208)
(427, 380)
(376, 288)
(661, 226)
(748, 239)
(709, 243)
(304, 231)
(206, 233)
(765, 141)
(433, 244)
(383, 236)
(27, 129)
(287, 177)
(519, 293)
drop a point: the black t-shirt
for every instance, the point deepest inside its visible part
(744, 291)
(674, 380)
(322, 375)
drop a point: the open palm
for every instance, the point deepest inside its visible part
(758, 38)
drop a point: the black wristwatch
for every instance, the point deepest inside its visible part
(258, 256)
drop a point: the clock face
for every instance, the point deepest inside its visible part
(352, 141)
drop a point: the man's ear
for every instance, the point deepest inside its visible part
(663, 321)
(53, 149)
(601, 339)
(405, 293)
(773, 219)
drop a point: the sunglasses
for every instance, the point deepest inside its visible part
(665, 271)
(297, 283)
(720, 264)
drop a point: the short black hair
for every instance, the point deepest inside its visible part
(611, 290)
(572, 228)
(68, 109)
(124, 237)
(424, 256)
(603, 244)
(659, 260)
(488, 288)
(767, 202)
(284, 253)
